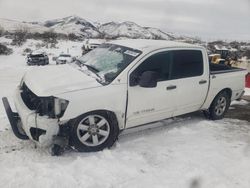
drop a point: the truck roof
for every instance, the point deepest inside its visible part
(150, 45)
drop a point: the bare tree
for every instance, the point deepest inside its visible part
(20, 36)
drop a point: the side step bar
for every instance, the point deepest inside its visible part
(13, 119)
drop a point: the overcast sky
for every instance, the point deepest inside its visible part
(209, 19)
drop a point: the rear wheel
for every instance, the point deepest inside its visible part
(94, 132)
(219, 106)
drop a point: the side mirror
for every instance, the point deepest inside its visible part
(148, 79)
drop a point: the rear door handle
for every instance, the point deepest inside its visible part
(202, 81)
(171, 87)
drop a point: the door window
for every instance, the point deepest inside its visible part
(186, 63)
(159, 63)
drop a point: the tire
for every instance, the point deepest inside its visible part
(94, 131)
(219, 106)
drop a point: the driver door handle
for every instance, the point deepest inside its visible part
(202, 81)
(171, 87)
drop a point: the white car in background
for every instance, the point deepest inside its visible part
(64, 58)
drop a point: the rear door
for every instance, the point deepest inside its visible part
(191, 76)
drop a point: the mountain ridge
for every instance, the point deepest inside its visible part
(83, 28)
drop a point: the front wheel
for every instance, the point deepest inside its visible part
(219, 106)
(94, 132)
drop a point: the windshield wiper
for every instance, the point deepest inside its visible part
(92, 68)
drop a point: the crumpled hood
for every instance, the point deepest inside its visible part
(52, 80)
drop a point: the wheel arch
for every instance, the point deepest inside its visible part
(213, 94)
(107, 143)
(212, 114)
(227, 90)
(110, 114)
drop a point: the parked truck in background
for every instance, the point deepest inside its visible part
(37, 58)
(117, 86)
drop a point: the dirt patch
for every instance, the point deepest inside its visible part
(240, 111)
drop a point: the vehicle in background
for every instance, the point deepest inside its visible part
(120, 85)
(37, 58)
(224, 57)
(216, 59)
(64, 58)
(91, 44)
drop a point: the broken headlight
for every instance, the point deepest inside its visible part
(51, 107)
(60, 106)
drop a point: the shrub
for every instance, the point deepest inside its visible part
(40, 45)
(247, 54)
(27, 51)
(20, 36)
(50, 37)
(73, 37)
(4, 50)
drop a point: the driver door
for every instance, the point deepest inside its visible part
(147, 105)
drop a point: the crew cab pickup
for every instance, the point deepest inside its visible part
(120, 85)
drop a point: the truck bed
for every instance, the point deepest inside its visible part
(218, 68)
(225, 77)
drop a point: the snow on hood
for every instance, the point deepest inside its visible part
(54, 80)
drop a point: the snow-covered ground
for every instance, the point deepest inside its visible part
(188, 152)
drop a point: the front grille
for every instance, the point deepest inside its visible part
(42, 105)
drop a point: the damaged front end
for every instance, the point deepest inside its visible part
(51, 107)
(37, 118)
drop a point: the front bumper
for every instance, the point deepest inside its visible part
(61, 62)
(14, 120)
(39, 62)
(40, 129)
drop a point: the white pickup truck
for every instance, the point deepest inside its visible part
(117, 86)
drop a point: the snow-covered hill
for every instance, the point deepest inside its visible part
(157, 33)
(73, 24)
(12, 25)
(131, 30)
(82, 27)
